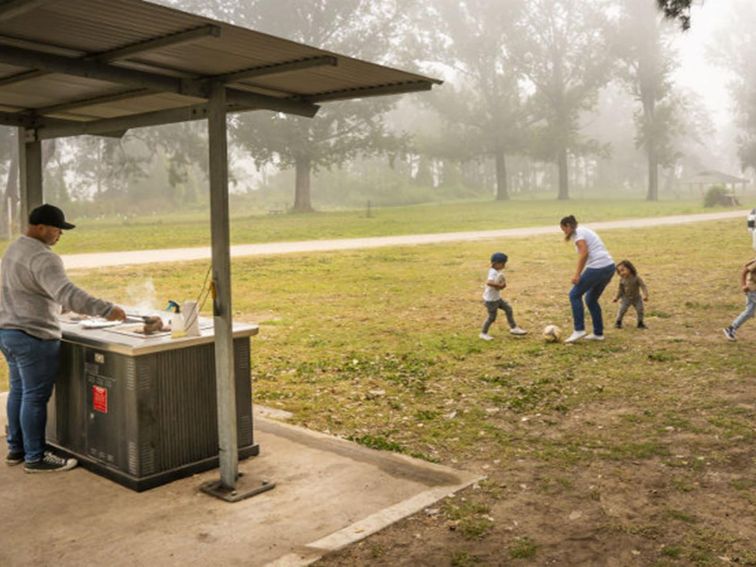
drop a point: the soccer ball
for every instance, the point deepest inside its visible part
(552, 334)
(501, 279)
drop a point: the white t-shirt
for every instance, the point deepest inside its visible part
(491, 293)
(598, 255)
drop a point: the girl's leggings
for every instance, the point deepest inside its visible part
(625, 305)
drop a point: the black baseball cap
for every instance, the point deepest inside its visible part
(499, 257)
(51, 216)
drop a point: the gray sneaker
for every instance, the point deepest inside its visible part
(50, 463)
(729, 332)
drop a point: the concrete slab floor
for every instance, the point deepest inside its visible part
(329, 493)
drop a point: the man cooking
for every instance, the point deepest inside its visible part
(34, 288)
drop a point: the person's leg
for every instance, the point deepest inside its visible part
(37, 362)
(15, 437)
(509, 312)
(601, 279)
(624, 306)
(588, 279)
(492, 307)
(747, 313)
(641, 312)
(576, 300)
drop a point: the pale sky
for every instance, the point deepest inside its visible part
(696, 72)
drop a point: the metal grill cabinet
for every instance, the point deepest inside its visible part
(143, 412)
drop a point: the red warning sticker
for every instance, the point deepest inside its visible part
(100, 399)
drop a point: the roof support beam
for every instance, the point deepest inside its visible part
(49, 128)
(277, 68)
(87, 69)
(383, 90)
(25, 76)
(140, 79)
(107, 126)
(171, 40)
(82, 103)
(244, 98)
(16, 119)
(13, 8)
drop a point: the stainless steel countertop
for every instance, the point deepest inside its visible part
(109, 341)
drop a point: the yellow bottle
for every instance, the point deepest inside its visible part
(177, 326)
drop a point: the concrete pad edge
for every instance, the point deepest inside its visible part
(370, 525)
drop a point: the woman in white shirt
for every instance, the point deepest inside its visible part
(594, 271)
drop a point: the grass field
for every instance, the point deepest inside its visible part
(186, 230)
(638, 450)
(635, 451)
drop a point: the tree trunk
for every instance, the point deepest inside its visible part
(302, 200)
(564, 191)
(653, 175)
(502, 191)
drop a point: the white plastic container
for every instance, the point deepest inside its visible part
(191, 318)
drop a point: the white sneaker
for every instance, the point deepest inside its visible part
(593, 337)
(486, 337)
(575, 336)
(518, 331)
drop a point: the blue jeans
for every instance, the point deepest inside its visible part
(748, 312)
(33, 366)
(591, 284)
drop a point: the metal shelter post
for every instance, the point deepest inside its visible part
(30, 176)
(226, 487)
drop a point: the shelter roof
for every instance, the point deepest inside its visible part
(713, 176)
(109, 63)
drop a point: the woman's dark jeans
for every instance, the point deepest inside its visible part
(592, 283)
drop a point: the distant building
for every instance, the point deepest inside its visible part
(705, 179)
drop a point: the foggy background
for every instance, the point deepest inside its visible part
(542, 99)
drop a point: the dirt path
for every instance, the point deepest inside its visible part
(99, 260)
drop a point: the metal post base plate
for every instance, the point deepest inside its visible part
(246, 487)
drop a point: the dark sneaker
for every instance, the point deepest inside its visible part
(14, 458)
(642, 325)
(729, 332)
(618, 325)
(50, 463)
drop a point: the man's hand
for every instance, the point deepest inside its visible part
(575, 279)
(116, 314)
(745, 288)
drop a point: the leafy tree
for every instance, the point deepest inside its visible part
(676, 9)
(184, 148)
(562, 52)
(485, 109)
(647, 63)
(104, 167)
(340, 131)
(736, 50)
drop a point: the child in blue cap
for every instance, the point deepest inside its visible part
(492, 297)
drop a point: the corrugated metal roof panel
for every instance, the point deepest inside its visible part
(78, 28)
